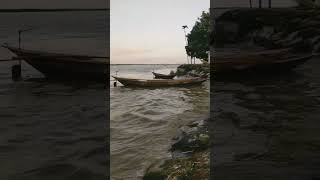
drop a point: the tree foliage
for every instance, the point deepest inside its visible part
(198, 38)
(306, 3)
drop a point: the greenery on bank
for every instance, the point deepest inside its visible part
(191, 154)
(196, 167)
(198, 38)
(306, 3)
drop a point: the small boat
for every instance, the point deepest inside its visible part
(260, 65)
(158, 82)
(163, 76)
(64, 66)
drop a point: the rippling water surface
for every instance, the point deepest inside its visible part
(53, 130)
(144, 121)
(268, 127)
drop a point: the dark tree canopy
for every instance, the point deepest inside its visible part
(198, 38)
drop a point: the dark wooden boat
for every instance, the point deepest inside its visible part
(64, 66)
(163, 76)
(261, 65)
(158, 82)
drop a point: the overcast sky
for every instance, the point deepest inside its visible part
(21, 4)
(150, 32)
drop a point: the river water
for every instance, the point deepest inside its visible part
(53, 130)
(267, 127)
(144, 121)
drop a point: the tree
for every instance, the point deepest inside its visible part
(250, 2)
(198, 38)
(260, 4)
(269, 3)
(305, 3)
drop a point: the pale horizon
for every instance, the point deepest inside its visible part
(150, 32)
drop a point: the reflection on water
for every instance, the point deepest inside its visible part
(268, 127)
(144, 121)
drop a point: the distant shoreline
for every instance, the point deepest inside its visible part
(49, 10)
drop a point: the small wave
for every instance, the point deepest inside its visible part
(60, 171)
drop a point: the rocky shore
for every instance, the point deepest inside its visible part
(190, 155)
(193, 70)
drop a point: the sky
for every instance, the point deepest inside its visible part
(35, 4)
(150, 32)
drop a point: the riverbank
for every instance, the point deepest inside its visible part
(190, 155)
(193, 70)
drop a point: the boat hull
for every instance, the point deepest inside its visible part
(68, 70)
(64, 67)
(159, 82)
(267, 67)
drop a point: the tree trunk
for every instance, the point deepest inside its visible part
(260, 4)
(250, 2)
(269, 3)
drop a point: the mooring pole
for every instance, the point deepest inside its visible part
(269, 3)
(20, 31)
(16, 69)
(260, 4)
(115, 83)
(19, 39)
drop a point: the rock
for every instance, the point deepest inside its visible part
(154, 176)
(193, 69)
(193, 137)
(194, 124)
(185, 143)
(189, 130)
(204, 140)
(189, 150)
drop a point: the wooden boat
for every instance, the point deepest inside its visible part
(64, 66)
(163, 76)
(260, 65)
(158, 82)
